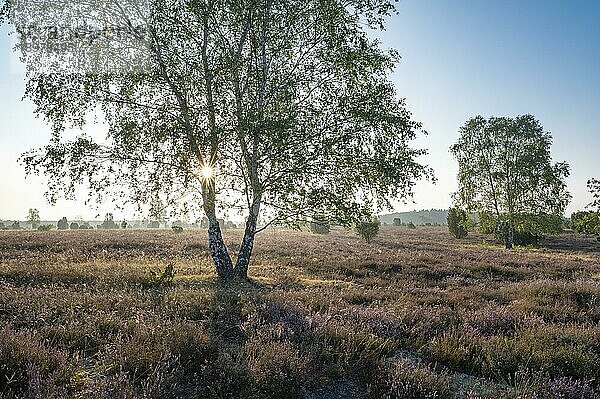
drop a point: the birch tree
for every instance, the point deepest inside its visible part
(280, 109)
(506, 170)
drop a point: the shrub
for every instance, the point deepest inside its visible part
(368, 229)
(411, 225)
(278, 369)
(528, 229)
(320, 225)
(406, 380)
(15, 226)
(24, 358)
(487, 223)
(397, 222)
(45, 227)
(457, 222)
(124, 224)
(177, 229)
(161, 277)
(586, 222)
(62, 224)
(74, 226)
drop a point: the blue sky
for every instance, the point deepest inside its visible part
(460, 58)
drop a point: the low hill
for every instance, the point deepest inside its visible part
(419, 218)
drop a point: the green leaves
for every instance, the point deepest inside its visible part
(507, 176)
(291, 102)
(505, 166)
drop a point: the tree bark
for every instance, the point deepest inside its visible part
(218, 250)
(509, 236)
(243, 260)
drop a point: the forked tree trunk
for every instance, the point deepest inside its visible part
(243, 260)
(218, 250)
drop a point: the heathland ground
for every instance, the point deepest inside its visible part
(415, 314)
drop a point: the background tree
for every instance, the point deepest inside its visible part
(109, 222)
(62, 224)
(457, 222)
(588, 222)
(594, 187)
(397, 222)
(279, 108)
(33, 217)
(368, 229)
(506, 170)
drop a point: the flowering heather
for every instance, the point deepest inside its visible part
(414, 314)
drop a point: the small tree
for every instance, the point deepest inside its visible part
(124, 224)
(74, 226)
(368, 229)
(457, 222)
(397, 222)
(62, 224)
(109, 222)
(411, 226)
(33, 217)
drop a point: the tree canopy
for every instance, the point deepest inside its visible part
(506, 170)
(287, 107)
(594, 187)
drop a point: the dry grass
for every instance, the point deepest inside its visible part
(415, 314)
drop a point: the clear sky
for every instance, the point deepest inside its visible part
(460, 58)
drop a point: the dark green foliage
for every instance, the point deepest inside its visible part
(155, 224)
(158, 277)
(586, 222)
(368, 229)
(109, 223)
(411, 225)
(528, 229)
(74, 226)
(45, 227)
(62, 224)
(177, 229)
(124, 224)
(457, 222)
(487, 223)
(397, 222)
